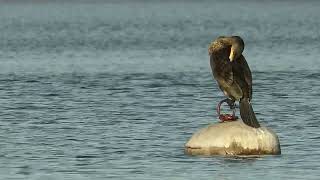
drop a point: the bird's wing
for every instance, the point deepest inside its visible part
(243, 73)
(228, 73)
(222, 70)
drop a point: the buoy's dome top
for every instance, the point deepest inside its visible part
(233, 138)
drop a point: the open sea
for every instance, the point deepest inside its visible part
(114, 89)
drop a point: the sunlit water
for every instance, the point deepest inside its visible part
(114, 90)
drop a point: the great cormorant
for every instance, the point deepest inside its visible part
(231, 70)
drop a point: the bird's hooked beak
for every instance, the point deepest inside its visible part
(232, 55)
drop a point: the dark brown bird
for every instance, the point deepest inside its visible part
(231, 70)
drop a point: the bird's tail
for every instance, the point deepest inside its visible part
(247, 113)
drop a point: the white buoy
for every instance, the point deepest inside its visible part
(233, 138)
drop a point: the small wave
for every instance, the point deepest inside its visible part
(86, 156)
(313, 76)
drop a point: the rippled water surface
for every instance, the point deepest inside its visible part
(113, 90)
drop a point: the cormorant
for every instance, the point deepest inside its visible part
(231, 70)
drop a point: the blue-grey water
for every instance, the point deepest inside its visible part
(113, 90)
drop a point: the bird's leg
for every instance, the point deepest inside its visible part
(231, 103)
(227, 117)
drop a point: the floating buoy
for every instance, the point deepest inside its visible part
(233, 138)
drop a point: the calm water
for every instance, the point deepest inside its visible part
(114, 90)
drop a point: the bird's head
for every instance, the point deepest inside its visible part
(237, 47)
(234, 44)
